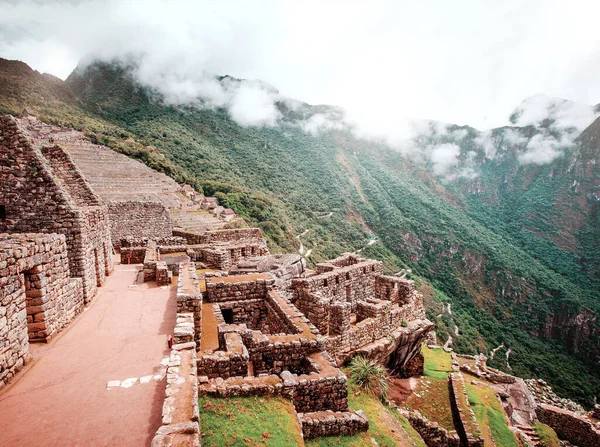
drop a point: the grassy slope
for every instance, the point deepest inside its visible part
(434, 401)
(548, 437)
(490, 416)
(249, 421)
(272, 422)
(284, 180)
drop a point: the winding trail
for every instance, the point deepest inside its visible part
(63, 398)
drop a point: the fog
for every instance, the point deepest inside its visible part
(392, 66)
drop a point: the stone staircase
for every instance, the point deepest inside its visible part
(196, 221)
(532, 438)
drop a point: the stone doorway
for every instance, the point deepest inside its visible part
(97, 262)
(34, 282)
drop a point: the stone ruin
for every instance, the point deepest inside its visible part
(248, 322)
(360, 310)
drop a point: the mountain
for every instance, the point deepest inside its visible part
(499, 228)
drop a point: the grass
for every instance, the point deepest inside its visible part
(490, 416)
(432, 398)
(548, 437)
(386, 426)
(248, 421)
(438, 363)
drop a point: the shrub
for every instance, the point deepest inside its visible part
(404, 322)
(369, 376)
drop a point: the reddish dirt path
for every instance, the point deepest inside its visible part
(62, 399)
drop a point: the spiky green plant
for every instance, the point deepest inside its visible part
(369, 376)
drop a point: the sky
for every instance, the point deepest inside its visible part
(460, 61)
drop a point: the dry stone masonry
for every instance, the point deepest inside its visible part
(42, 191)
(38, 297)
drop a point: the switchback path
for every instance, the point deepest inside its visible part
(63, 400)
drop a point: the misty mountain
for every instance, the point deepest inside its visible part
(500, 224)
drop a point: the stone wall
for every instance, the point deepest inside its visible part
(49, 195)
(39, 298)
(349, 283)
(189, 298)
(180, 415)
(132, 255)
(139, 219)
(569, 426)
(221, 236)
(219, 291)
(464, 418)
(431, 432)
(331, 423)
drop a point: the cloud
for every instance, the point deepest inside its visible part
(322, 122)
(513, 137)
(443, 157)
(543, 149)
(556, 113)
(253, 106)
(383, 61)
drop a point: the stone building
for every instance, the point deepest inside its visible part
(42, 191)
(38, 297)
(360, 310)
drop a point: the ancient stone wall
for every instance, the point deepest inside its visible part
(236, 235)
(139, 219)
(345, 423)
(464, 418)
(189, 298)
(35, 193)
(180, 414)
(39, 298)
(69, 176)
(347, 284)
(395, 289)
(218, 291)
(132, 255)
(431, 432)
(569, 426)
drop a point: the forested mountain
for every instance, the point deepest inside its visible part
(500, 228)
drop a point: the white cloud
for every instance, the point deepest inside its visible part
(444, 157)
(543, 149)
(486, 141)
(322, 122)
(383, 61)
(513, 137)
(559, 113)
(253, 106)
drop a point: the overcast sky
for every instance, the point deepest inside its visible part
(464, 62)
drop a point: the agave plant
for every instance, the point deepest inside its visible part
(370, 376)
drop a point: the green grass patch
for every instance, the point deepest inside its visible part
(432, 400)
(490, 416)
(548, 437)
(384, 426)
(411, 432)
(248, 421)
(438, 363)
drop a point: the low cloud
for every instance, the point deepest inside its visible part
(443, 157)
(543, 149)
(323, 122)
(253, 106)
